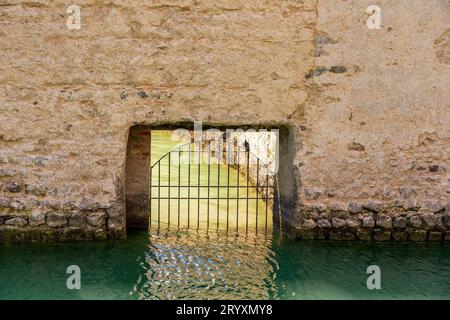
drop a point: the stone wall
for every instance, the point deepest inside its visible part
(262, 145)
(374, 161)
(367, 109)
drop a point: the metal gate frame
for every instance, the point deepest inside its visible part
(261, 190)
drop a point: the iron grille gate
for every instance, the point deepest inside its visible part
(212, 185)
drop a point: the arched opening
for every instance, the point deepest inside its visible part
(208, 182)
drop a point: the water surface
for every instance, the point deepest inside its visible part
(237, 265)
(196, 266)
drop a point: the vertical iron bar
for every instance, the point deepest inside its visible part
(209, 182)
(150, 198)
(276, 203)
(159, 193)
(179, 184)
(198, 187)
(218, 182)
(267, 196)
(168, 196)
(248, 178)
(228, 184)
(237, 190)
(189, 186)
(257, 191)
(151, 184)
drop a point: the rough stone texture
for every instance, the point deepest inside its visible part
(323, 223)
(37, 219)
(435, 236)
(13, 187)
(19, 222)
(367, 110)
(432, 220)
(368, 222)
(416, 221)
(418, 235)
(353, 222)
(399, 223)
(384, 221)
(342, 236)
(364, 235)
(446, 219)
(381, 235)
(399, 236)
(78, 220)
(384, 160)
(308, 224)
(96, 219)
(338, 223)
(56, 220)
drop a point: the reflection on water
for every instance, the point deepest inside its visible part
(200, 266)
(194, 266)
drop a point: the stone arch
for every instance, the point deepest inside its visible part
(137, 170)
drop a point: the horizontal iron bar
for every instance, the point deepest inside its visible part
(205, 198)
(212, 186)
(206, 151)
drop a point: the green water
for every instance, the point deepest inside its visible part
(195, 266)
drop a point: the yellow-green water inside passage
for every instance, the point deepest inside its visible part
(244, 213)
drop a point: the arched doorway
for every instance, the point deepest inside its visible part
(138, 179)
(213, 185)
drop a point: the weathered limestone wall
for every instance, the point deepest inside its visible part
(368, 109)
(375, 154)
(69, 97)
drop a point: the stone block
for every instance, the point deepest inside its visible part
(415, 221)
(308, 224)
(399, 223)
(368, 221)
(37, 219)
(381, 235)
(323, 224)
(435, 236)
(100, 234)
(418, 235)
(399, 235)
(13, 187)
(432, 220)
(18, 222)
(56, 220)
(341, 236)
(364, 235)
(78, 219)
(338, 223)
(384, 221)
(97, 218)
(353, 222)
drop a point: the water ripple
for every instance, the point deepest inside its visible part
(195, 266)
